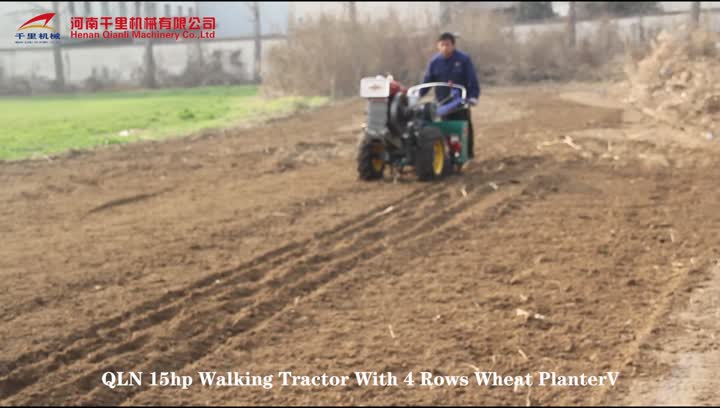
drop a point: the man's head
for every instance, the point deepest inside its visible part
(446, 44)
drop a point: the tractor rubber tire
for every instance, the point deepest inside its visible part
(370, 165)
(431, 156)
(449, 168)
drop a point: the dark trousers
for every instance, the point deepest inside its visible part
(465, 115)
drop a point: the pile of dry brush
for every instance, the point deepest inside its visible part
(679, 80)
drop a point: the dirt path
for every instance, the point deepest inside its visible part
(258, 250)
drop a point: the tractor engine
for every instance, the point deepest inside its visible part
(389, 112)
(386, 108)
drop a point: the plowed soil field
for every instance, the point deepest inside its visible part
(582, 239)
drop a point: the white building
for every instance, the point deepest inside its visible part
(428, 12)
(301, 11)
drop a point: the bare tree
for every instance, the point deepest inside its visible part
(695, 14)
(255, 11)
(641, 29)
(149, 81)
(57, 53)
(352, 12)
(572, 20)
(291, 19)
(444, 13)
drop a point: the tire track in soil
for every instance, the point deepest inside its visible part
(497, 206)
(286, 250)
(679, 388)
(278, 290)
(289, 249)
(32, 367)
(261, 315)
(127, 200)
(15, 311)
(197, 290)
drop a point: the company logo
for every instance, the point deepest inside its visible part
(33, 32)
(46, 17)
(375, 87)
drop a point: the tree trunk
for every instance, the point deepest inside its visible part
(352, 14)
(695, 14)
(57, 54)
(258, 42)
(572, 20)
(291, 19)
(150, 81)
(444, 14)
(352, 11)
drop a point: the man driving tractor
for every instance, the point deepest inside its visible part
(435, 137)
(455, 66)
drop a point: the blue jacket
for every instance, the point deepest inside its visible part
(458, 68)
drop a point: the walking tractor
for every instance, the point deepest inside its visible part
(402, 130)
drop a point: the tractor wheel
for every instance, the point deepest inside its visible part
(370, 164)
(431, 158)
(450, 168)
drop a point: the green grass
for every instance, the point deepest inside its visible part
(38, 125)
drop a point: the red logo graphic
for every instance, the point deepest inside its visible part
(46, 17)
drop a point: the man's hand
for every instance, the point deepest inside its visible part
(473, 101)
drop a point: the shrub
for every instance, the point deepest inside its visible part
(329, 56)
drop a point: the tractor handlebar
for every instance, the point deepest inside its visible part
(414, 91)
(457, 99)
